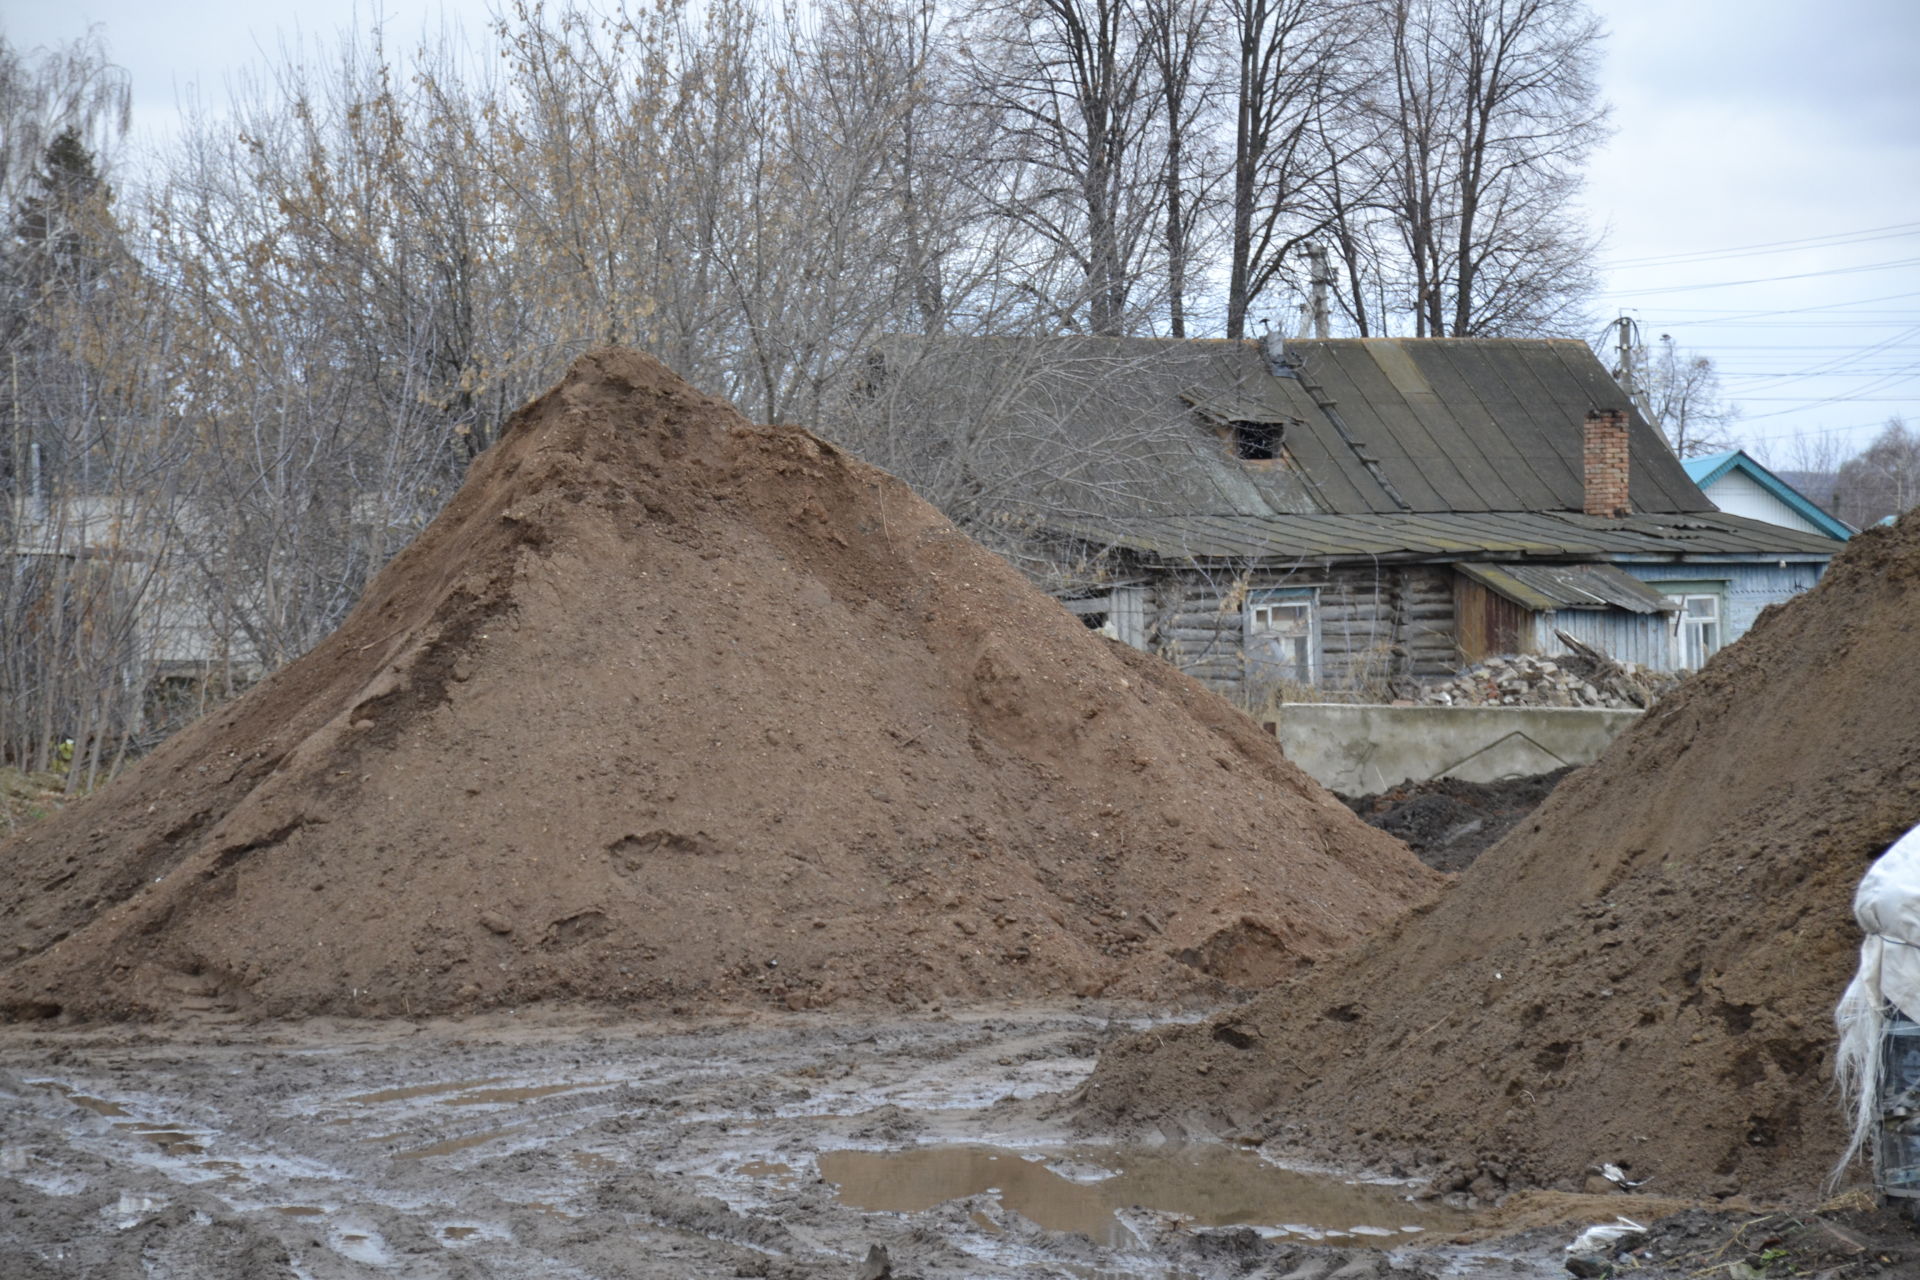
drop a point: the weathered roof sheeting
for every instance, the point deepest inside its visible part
(1472, 424)
(1547, 587)
(1494, 536)
(1103, 426)
(1133, 425)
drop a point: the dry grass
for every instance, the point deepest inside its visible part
(25, 798)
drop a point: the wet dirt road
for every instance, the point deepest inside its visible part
(554, 1144)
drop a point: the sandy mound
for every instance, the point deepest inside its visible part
(1645, 971)
(667, 706)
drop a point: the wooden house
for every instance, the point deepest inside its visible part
(1355, 514)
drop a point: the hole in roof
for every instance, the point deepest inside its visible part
(1256, 441)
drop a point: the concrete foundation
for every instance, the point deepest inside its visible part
(1362, 749)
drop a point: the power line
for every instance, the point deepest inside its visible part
(1836, 239)
(1890, 264)
(1842, 362)
(1794, 311)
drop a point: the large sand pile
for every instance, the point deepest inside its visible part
(669, 707)
(1643, 973)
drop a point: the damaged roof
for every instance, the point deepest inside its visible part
(1367, 425)
(1098, 427)
(1411, 449)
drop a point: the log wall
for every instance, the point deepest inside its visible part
(1374, 627)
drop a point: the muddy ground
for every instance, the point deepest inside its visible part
(551, 1144)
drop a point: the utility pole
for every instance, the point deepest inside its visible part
(1625, 325)
(1321, 279)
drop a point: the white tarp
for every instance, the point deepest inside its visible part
(1887, 905)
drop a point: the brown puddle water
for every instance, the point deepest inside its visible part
(1214, 1186)
(99, 1106)
(773, 1169)
(453, 1145)
(421, 1090)
(174, 1142)
(526, 1093)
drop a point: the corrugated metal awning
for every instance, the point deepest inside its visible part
(1545, 587)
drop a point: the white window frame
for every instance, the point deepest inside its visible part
(1695, 636)
(1698, 635)
(1265, 609)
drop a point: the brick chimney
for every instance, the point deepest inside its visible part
(1604, 452)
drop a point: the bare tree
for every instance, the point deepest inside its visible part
(1809, 461)
(1297, 72)
(86, 476)
(1490, 112)
(1071, 80)
(1682, 390)
(1881, 480)
(1176, 35)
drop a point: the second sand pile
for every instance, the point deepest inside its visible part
(668, 708)
(1644, 974)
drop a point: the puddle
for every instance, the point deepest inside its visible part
(174, 1142)
(459, 1233)
(768, 1169)
(486, 1097)
(86, 1102)
(1214, 1186)
(362, 1244)
(300, 1210)
(592, 1161)
(421, 1090)
(452, 1145)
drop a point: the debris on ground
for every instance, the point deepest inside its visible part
(665, 709)
(1448, 822)
(1644, 972)
(1583, 677)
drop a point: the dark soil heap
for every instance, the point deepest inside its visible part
(1447, 822)
(1644, 972)
(667, 707)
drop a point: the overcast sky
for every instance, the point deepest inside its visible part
(1775, 142)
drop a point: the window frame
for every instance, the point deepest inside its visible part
(1688, 632)
(1307, 600)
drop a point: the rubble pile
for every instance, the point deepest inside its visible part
(669, 710)
(1643, 974)
(1567, 680)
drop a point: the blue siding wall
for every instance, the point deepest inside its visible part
(1750, 587)
(1648, 639)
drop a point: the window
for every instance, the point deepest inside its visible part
(1256, 441)
(1699, 624)
(1280, 636)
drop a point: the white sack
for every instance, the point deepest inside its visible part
(1887, 905)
